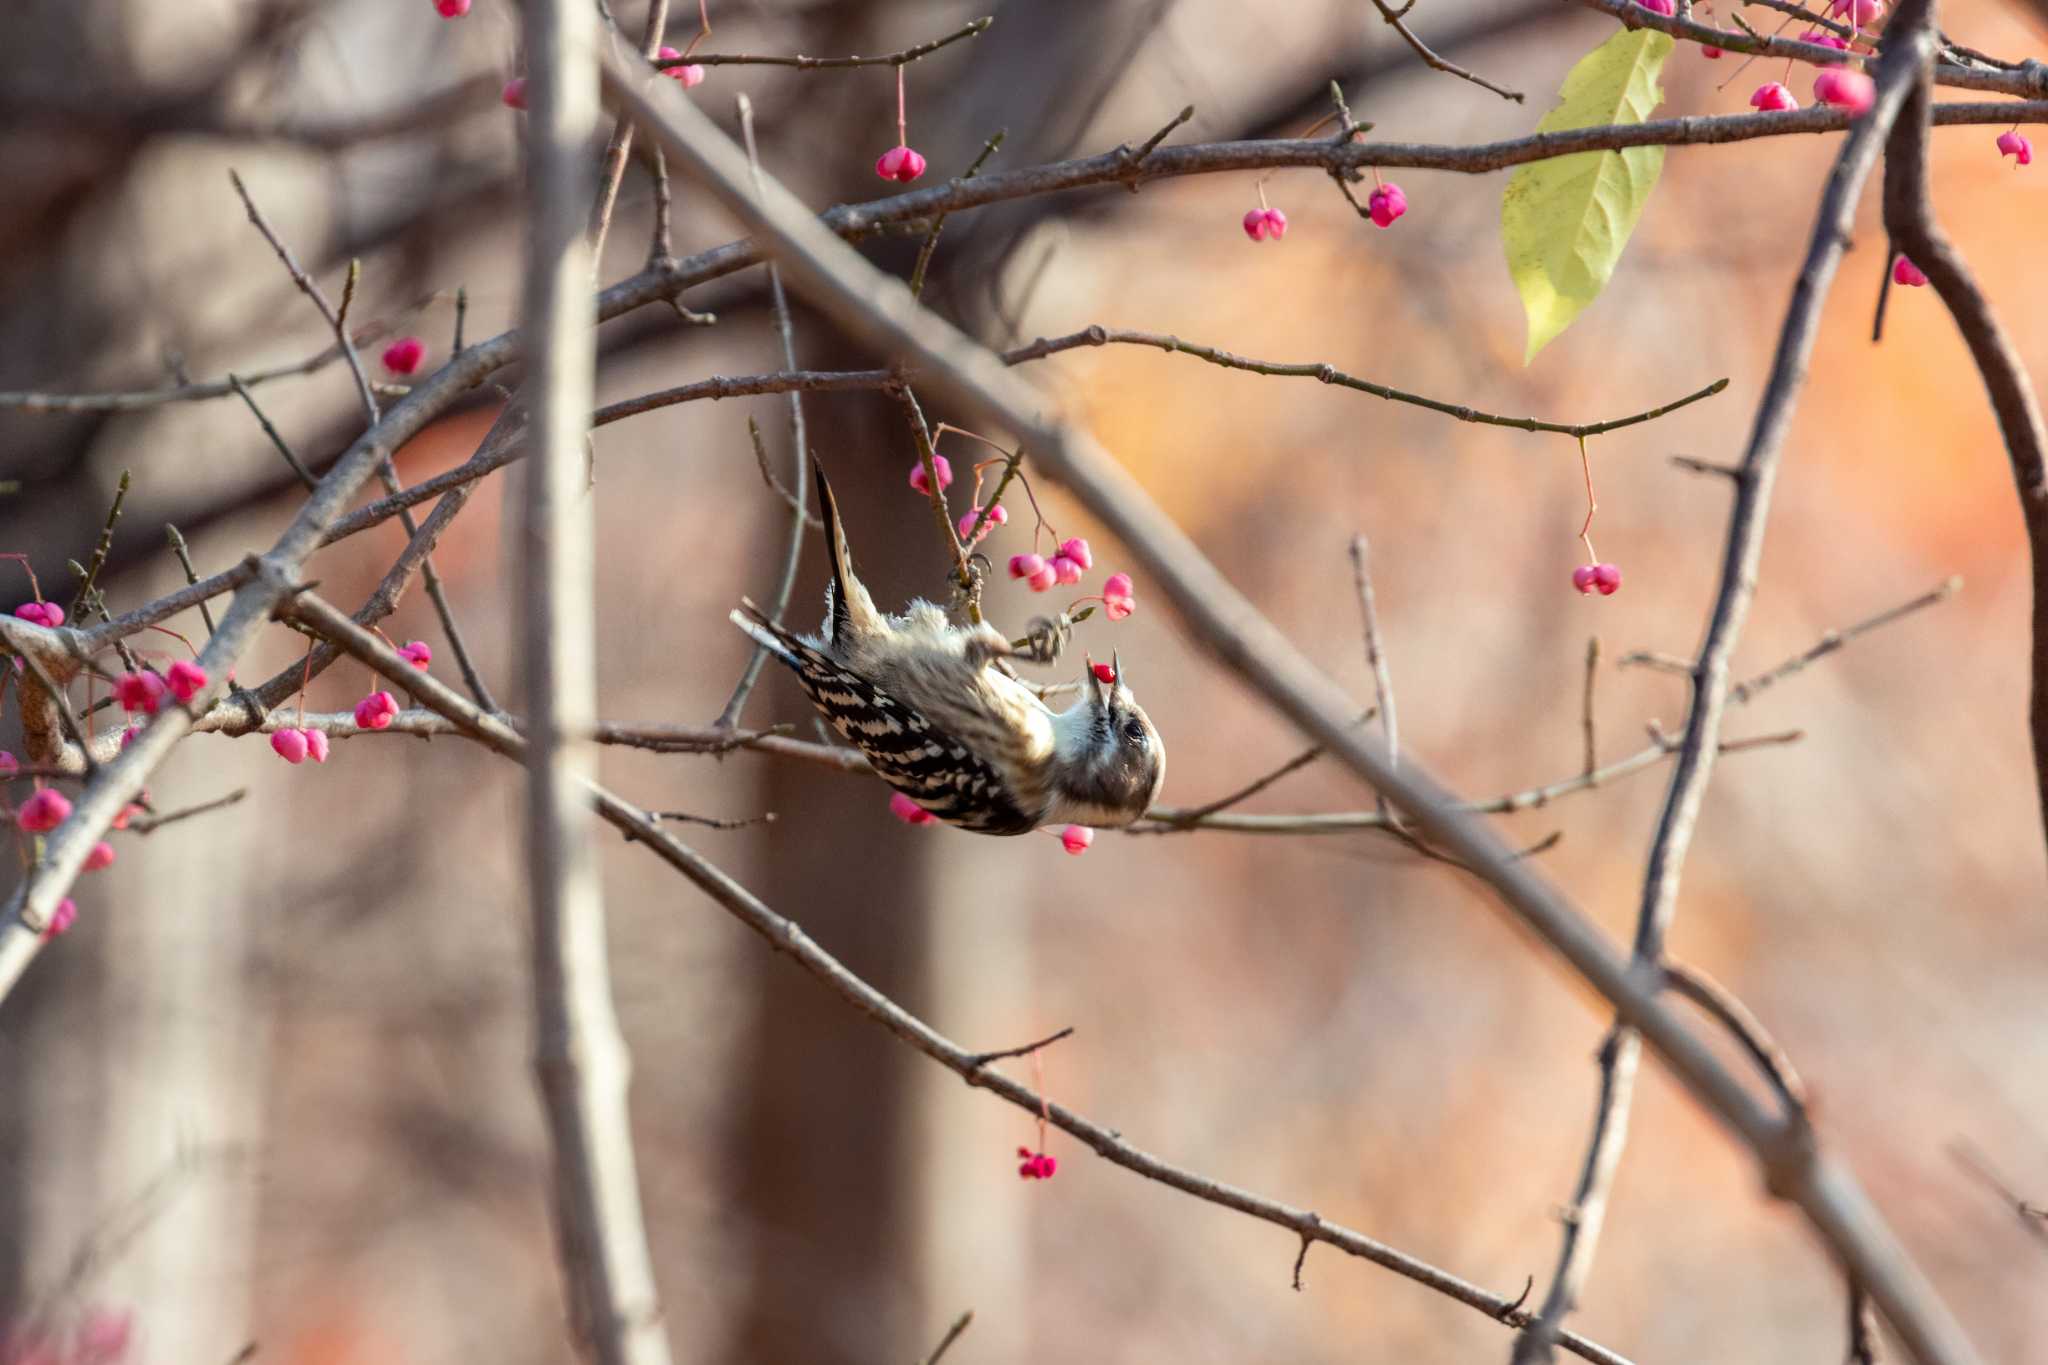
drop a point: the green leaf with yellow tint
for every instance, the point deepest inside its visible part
(1566, 221)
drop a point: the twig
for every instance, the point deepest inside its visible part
(1434, 62)
(579, 1054)
(1835, 639)
(982, 1059)
(1375, 657)
(789, 499)
(102, 547)
(1190, 818)
(852, 292)
(943, 518)
(1173, 820)
(1862, 1327)
(1586, 705)
(276, 438)
(2033, 1217)
(960, 1324)
(802, 63)
(1908, 49)
(711, 822)
(1699, 466)
(1329, 374)
(930, 244)
(145, 824)
(799, 512)
(1729, 1011)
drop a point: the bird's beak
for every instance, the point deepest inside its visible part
(1116, 667)
(1094, 680)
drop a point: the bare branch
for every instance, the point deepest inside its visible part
(1431, 60)
(803, 63)
(579, 1054)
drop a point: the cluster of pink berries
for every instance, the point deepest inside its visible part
(41, 614)
(1263, 223)
(1036, 1165)
(2014, 143)
(1604, 577)
(377, 711)
(998, 515)
(144, 690)
(296, 745)
(1066, 566)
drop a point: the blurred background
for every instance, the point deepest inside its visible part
(275, 1086)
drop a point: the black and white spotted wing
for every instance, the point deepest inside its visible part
(908, 752)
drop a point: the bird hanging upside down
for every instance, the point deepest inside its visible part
(946, 724)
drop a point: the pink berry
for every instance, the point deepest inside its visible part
(1820, 37)
(62, 918)
(290, 745)
(316, 744)
(2015, 145)
(1906, 273)
(899, 163)
(1606, 578)
(1858, 12)
(418, 653)
(691, 75)
(1118, 600)
(1255, 224)
(1065, 570)
(908, 811)
(102, 855)
(404, 355)
(1386, 203)
(1044, 579)
(1276, 224)
(513, 96)
(1026, 566)
(1663, 7)
(1772, 97)
(1851, 90)
(1104, 672)
(1582, 578)
(375, 711)
(186, 679)
(44, 810)
(128, 736)
(1076, 838)
(1077, 550)
(923, 484)
(142, 692)
(126, 813)
(451, 9)
(41, 614)
(1710, 53)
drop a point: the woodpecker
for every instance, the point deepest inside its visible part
(945, 722)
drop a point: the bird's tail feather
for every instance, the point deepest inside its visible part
(766, 633)
(841, 604)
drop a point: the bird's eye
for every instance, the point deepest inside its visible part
(1134, 730)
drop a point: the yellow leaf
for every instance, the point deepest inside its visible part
(1565, 221)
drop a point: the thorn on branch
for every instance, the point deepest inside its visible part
(1512, 1313)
